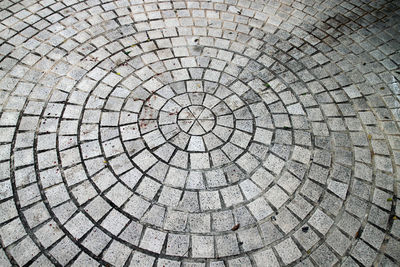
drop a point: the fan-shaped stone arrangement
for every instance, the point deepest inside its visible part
(204, 133)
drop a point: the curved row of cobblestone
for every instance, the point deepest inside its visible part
(204, 133)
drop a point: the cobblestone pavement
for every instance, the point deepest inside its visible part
(204, 133)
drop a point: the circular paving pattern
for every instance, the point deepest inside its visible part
(206, 133)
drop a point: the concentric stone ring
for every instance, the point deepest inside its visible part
(205, 133)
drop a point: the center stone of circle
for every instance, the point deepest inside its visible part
(196, 120)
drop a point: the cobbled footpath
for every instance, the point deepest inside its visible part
(199, 133)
